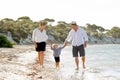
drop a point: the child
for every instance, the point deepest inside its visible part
(56, 53)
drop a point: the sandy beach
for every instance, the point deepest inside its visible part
(20, 63)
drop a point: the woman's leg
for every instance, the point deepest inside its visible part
(41, 58)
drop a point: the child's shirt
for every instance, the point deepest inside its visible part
(57, 52)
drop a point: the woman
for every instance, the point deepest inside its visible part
(39, 38)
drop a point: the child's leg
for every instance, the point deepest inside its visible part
(57, 60)
(57, 64)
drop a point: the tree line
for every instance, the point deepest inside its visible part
(23, 26)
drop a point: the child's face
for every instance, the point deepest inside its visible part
(55, 46)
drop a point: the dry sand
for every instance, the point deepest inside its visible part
(20, 63)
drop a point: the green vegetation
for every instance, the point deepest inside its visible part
(114, 32)
(23, 26)
(5, 43)
(59, 31)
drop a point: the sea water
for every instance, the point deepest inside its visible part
(102, 63)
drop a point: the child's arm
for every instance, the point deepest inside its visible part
(50, 45)
(52, 48)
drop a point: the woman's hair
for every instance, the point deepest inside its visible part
(43, 23)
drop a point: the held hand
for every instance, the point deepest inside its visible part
(65, 44)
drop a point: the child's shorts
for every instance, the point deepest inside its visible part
(57, 59)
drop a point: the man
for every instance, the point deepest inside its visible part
(79, 41)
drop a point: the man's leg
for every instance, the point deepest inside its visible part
(77, 62)
(83, 62)
(82, 54)
(75, 55)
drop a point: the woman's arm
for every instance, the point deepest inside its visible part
(33, 38)
(35, 44)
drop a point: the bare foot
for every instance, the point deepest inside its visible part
(77, 68)
(40, 77)
(84, 67)
(32, 74)
(34, 68)
(42, 66)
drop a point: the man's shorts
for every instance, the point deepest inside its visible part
(79, 49)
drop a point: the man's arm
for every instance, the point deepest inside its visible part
(63, 45)
(68, 39)
(85, 38)
(85, 44)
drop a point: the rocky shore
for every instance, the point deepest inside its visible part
(92, 39)
(103, 40)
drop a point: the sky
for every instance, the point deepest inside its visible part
(105, 13)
